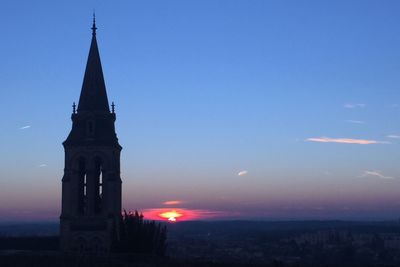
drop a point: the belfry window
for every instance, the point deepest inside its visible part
(82, 187)
(101, 182)
(98, 185)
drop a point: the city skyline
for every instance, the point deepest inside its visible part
(226, 109)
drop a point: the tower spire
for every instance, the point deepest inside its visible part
(93, 94)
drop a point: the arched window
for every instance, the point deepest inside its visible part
(98, 185)
(82, 187)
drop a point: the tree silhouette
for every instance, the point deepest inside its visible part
(137, 235)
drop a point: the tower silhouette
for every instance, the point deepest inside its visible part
(91, 185)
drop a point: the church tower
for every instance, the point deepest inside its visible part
(91, 185)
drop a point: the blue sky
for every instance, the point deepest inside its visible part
(205, 90)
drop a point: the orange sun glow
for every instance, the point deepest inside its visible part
(171, 215)
(180, 214)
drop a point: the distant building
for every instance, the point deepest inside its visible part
(91, 185)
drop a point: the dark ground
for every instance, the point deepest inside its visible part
(224, 243)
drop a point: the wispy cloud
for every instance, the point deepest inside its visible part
(173, 202)
(355, 121)
(376, 174)
(354, 105)
(345, 141)
(394, 136)
(42, 165)
(242, 173)
(25, 127)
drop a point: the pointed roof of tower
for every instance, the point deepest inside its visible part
(93, 94)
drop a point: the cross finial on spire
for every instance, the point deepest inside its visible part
(94, 24)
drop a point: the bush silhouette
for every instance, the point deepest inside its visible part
(136, 235)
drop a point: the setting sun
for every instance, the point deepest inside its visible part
(171, 215)
(180, 214)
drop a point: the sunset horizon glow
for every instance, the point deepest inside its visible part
(180, 214)
(226, 110)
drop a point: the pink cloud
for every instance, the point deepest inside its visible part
(172, 202)
(345, 141)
